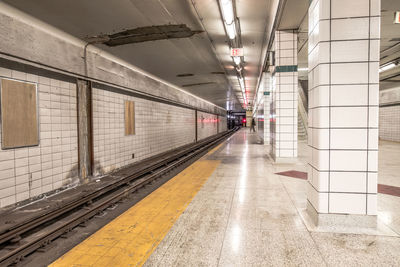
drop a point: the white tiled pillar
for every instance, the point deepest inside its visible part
(343, 110)
(284, 97)
(267, 80)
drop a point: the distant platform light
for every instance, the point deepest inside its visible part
(236, 60)
(387, 67)
(397, 17)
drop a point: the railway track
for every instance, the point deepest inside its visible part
(21, 238)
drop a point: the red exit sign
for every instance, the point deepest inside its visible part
(236, 52)
(397, 17)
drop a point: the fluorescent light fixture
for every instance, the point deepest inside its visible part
(302, 69)
(227, 11)
(228, 17)
(236, 60)
(387, 67)
(231, 30)
(242, 87)
(241, 82)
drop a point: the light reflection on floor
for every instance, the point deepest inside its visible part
(246, 215)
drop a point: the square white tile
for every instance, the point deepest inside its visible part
(348, 29)
(347, 203)
(348, 9)
(349, 73)
(350, 182)
(348, 160)
(350, 51)
(349, 117)
(348, 138)
(349, 95)
(320, 138)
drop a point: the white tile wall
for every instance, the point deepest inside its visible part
(206, 125)
(343, 109)
(29, 172)
(389, 114)
(389, 123)
(222, 124)
(159, 128)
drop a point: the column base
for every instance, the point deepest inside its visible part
(284, 160)
(341, 220)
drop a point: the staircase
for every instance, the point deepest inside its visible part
(302, 116)
(301, 129)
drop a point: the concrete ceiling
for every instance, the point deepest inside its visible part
(390, 43)
(253, 18)
(389, 46)
(204, 56)
(293, 13)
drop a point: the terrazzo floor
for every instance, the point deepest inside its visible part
(247, 215)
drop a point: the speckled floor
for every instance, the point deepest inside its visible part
(246, 215)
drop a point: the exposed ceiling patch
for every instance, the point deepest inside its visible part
(185, 75)
(145, 34)
(197, 84)
(218, 72)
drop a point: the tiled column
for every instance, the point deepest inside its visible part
(267, 80)
(284, 97)
(343, 111)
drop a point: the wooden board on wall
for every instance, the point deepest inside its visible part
(129, 118)
(18, 114)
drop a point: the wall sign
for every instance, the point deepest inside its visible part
(129, 118)
(19, 114)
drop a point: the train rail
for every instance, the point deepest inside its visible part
(22, 235)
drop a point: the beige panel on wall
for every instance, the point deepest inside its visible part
(18, 114)
(129, 118)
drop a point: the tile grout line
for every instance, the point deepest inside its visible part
(330, 105)
(226, 225)
(368, 87)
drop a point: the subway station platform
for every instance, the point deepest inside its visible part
(125, 133)
(231, 208)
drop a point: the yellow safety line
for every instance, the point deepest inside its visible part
(212, 151)
(131, 238)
